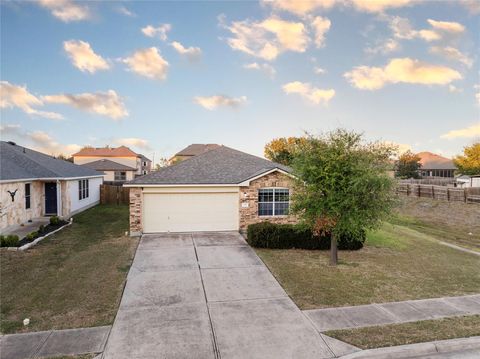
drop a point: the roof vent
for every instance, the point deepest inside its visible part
(12, 143)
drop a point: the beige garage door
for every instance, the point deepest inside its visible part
(190, 212)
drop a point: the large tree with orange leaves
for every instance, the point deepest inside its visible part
(469, 163)
(282, 150)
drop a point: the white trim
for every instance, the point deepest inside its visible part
(247, 181)
(273, 202)
(47, 179)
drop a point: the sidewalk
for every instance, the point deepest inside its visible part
(393, 312)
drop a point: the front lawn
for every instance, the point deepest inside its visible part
(396, 264)
(73, 278)
(409, 333)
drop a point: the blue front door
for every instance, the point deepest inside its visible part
(50, 198)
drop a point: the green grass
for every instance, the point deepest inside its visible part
(409, 333)
(73, 278)
(397, 263)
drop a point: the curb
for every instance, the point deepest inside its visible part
(413, 350)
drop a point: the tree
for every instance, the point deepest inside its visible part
(407, 166)
(342, 185)
(469, 163)
(61, 156)
(282, 150)
(162, 162)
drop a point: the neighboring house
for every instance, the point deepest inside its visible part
(114, 172)
(33, 184)
(220, 190)
(433, 165)
(191, 151)
(122, 155)
(464, 181)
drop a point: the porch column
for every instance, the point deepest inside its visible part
(59, 199)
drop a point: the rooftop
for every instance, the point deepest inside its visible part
(197, 149)
(432, 161)
(121, 151)
(107, 165)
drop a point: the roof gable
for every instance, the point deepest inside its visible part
(196, 149)
(121, 151)
(430, 160)
(222, 165)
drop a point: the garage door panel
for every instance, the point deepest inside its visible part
(188, 212)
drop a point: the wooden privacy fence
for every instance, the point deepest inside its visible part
(110, 194)
(440, 192)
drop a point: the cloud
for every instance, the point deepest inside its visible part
(18, 96)
(160, 31)
(301, 7)
(454, 89)
(312, 94)
(319, 71)
(447, 26)
(473, 6)
(66, 10)
(452, 54)
(379, 6)
(266, 68)
(467, 132)
(102, 103)
(477, 93)
(10, 129)
(191, 53)
(133, 142)
(402, 29)
(268, 38)
(45, 143)
(388, 46)
(401, 70)
(213, 102)
(321, 25)
(149, 63)
(124, 11)
(83, 57)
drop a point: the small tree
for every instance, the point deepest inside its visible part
(162, 162)
(469, 163)
(282, 150)
(342, 185)
(407, 166)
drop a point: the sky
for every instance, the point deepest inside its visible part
(158, 76)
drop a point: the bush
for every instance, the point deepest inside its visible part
(31, 236)
(9, 241)
(41, 229)
(286, 236)
(54, 220)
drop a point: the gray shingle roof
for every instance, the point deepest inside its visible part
(197, 149)
(107, 165)
(17, 162)
(222, 165)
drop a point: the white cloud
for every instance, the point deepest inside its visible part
(402, 29)
(133, 142)
(18, 96)
(473, 6)
(102, 103)
(319, 71)
(307, 91)
(160, 31)
(213, 102)
(320, 25)
(467, 132)
(149, 63)
(10, 129)
(266, 68)
(67, 10)
(379, 6)
(453, 54)
(454, 89)
(83, 57)
(401, 70)
(447, 26)
(191, 53)
(45, 143)
(124, 11)
(386, 47)
(268, 38)
(300, 7)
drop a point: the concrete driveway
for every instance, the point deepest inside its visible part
(207, 295)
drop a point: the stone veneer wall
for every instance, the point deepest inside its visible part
(135, 211)
(249, 195)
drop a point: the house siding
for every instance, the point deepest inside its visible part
(15, 213)
(76, 205)
(249, 197)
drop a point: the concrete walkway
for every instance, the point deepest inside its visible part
(53, 343)
(208, 295)
(393, 313)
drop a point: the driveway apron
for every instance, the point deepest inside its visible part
(207, 295)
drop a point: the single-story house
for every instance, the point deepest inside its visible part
(219, 190)
(113, 172)
(433, 165)
(192, 150)
(33, 185)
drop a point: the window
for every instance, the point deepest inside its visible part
(273, 201)
(144, 172)
(120, 176)
(27, 195)
(83, 189)
(144, 164)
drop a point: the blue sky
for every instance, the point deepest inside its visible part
(238, 73)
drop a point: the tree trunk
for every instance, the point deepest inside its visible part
(333, 251)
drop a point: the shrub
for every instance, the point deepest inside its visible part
(54, 220)
(31, 236)
(9, 241)
(41, 229)
(285, 236)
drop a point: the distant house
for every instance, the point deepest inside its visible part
(114, 172)
(121, 155)
(192, 150)
(433, 165)
(33, 185)
(464, 181)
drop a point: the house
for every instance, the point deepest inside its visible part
(433, 165)
(113, 172)
(122, 155)
(191, 151)
(34, 185)
(219, 190)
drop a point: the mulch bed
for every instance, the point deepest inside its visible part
(46, 229)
